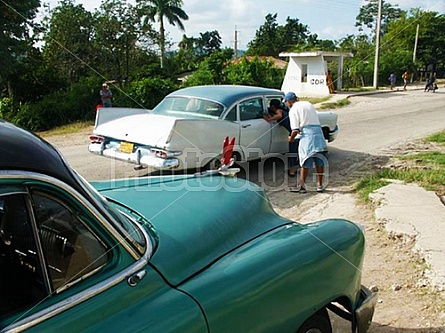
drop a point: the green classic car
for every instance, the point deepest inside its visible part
(189, 253)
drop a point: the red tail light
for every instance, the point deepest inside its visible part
(159, 153)
(96, 139)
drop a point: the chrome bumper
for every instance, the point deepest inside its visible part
(140, 157)
(365, 311)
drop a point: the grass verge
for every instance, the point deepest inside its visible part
(425, 169)
(67, 129)
(335, 105)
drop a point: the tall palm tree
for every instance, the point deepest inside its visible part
(160, 9)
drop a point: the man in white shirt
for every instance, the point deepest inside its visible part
(106, 95)
(312, 148)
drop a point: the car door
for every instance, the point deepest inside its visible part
(62, 271)
(279, 135)
(255, 132)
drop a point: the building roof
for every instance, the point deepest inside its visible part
(316, 54)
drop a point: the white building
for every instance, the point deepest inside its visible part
(306, 72)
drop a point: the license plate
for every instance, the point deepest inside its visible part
(126, 147)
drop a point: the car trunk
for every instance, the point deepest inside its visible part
(198, 220)
(148, 129)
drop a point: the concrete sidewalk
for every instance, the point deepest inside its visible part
(408, 210)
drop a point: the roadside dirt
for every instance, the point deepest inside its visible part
(407, 301)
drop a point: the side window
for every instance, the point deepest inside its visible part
(231, 115)
(280, 98)
(251, 109)
(21, 279)
(71, 250)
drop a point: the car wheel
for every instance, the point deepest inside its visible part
(214, 164)
(318, 323)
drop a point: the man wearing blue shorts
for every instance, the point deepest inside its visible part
(312, 148)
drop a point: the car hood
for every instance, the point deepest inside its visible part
(148, 129)
(197, 219)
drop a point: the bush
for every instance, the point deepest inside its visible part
(145, 93)
(78, 103)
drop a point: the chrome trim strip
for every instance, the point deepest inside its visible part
(38, 243)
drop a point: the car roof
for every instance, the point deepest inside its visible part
(224, 94)
(22, 150)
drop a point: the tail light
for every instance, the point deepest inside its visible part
(96, 139)
(159, 153)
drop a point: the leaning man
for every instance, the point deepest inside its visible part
(312, 149)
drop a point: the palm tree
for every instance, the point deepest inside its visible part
(160, 9)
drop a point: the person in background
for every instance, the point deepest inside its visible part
(430, 83)
(330, 82)
(392, 80)
(312, 148)
(282, 117)
(405, 77)
(106, 96)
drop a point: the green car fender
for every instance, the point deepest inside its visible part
(288, 274)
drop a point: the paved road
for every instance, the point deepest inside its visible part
(376, 122)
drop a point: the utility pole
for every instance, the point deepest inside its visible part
(236, 44)
(415, 44)
(377, 46)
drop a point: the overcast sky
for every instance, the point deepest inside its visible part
(329, 19)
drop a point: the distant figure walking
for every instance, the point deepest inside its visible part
(431, 83)
(392, 80)
(106, 96)
(405, 78)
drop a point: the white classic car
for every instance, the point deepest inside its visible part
(187, 128)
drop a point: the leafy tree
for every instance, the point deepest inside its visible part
(118, 31)
(321, 44)
(431, 49)
(68, 40)
(16, 46)
(211, 70)
(160, 10)
(146, 92)
(193, 50)
(15, 26)
(294, 35)
(367, 17)
(267, 38)
(210, 42)
(271, 39)
(255, 72)
(360, 68)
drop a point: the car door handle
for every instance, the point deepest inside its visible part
(248, 125)
(136, 278)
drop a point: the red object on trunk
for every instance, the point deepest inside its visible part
(227, 150)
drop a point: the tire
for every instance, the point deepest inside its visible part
(326, 133)
(318, 323)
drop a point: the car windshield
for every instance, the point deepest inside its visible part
(189, 107)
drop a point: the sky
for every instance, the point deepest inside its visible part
(329, 19)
